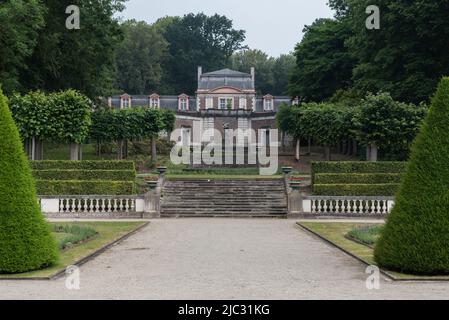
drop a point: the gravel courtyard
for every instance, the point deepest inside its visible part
(222, 259)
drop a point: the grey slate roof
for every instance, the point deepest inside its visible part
(225, 77)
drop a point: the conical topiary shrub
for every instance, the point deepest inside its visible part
(26, 242)
(416, 236)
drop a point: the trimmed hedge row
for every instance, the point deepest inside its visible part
(83, 175)
(82, 165)
(357, 178)
(358, 167)
(387, 189)
(53, 187)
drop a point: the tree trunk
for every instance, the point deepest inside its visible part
(354, 147)
(80, 149)
(373, 150)
(120, 149)
(327, 153)
(153, 150)
(74, 151)
(309, 146)
(298, 148)
(283, 141)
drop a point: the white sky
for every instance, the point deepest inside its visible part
(274, 26)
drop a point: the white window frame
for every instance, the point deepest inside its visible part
(183, 104)
(243, 103)
(154, 102)
(209, 103)
(268, 105)
(126, 103)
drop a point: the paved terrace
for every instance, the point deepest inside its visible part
(222, 259)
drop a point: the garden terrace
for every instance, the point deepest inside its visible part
(356, 178)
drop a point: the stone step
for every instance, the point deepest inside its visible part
(232, 198)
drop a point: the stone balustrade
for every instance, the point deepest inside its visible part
(347, 206)
(144, 206)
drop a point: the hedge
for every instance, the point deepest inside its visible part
(26, 241)
(355, 178)
(53, 187)
(387, 189)
(358, 167)
(82, 165)
(83, 175)
(415, 239)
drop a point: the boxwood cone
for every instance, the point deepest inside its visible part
(26, 242)
(416, 236)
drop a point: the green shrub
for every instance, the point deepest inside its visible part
(357, 178)
(358, 167)
(82, 165)
(386, 189)
(366, 234)
(416, 236)
(76, 235)
(83, 175)
(26, 242)
(53, 187)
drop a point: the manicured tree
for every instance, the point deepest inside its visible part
(26, 242)
(326, 123)
(31, 113)
(70, 119)
(384, 124)
(416, 235)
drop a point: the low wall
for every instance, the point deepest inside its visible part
(97, 206)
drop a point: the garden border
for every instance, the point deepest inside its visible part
(83, 260)
(384, 272)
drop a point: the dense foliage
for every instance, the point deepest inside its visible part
(26, 242)
(272, 74)
(63, 116)
(388, 124)
(416, 235)
(404, 57)
(323, 64)
(140, 58)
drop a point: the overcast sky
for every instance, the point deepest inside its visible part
(274, 26)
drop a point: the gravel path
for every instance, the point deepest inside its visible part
(222, 259)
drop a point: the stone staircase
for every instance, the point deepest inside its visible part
(224, 198)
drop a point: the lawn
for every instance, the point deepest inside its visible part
(90, 236)
(339, 235)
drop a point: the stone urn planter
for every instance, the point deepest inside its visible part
(287, 170)
(162, 170)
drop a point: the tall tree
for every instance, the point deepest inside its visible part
(263, 64)
(408, 54)
(20, 22)
(323, 63)
(197, 40)
(140, 58)
(82, 59)
(282, 68)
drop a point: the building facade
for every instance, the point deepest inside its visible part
(225, 99)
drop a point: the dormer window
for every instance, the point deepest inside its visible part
(268, 104)
(154, 101)
(125, 101)
(183, 102)
(295, 101)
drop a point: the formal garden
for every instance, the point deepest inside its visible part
(367, 134)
